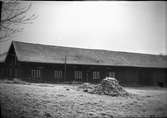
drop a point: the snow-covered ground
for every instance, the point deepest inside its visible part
(66, 101)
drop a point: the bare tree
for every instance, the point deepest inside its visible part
(13, 15)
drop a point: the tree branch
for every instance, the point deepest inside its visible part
(14, 14)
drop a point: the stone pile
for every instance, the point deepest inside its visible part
(108, 86)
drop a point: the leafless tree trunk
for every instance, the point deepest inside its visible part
(13, 15)
(0, 10)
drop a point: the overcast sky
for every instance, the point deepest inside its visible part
(121, 26)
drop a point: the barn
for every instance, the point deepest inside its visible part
(46, 63)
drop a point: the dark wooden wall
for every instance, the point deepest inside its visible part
(128, 76)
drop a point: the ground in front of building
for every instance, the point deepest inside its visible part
(66, 101)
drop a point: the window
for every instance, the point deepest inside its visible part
(96, 75)
(58, 74)
(36, 73)
(78, 75)
(112, 74)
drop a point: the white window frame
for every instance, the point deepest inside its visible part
(111, 74)
(58, 74)
(78, 75)
(96, 75)
(36, 73)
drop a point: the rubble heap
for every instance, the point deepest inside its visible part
(108, 86)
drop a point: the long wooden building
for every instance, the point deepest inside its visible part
(45, 63)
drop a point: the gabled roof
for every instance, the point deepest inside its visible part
(28, 52)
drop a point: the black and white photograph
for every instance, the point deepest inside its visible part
(83, 59)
